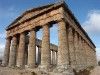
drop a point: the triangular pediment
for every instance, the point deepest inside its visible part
(31, 13)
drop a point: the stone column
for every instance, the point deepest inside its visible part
(39, 55)
(92, 56)
(71, 47)
(85, 48)
(53, 57)
(32, 49)
(12, 58)
(6, 52)
(84, 54)
(56, 57)
(77, 51)
(90, 59)
(87, 54)
(81, 53)
(95, 59)
(21, 51)
(45, 51)
(63, 60)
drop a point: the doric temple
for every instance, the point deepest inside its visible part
(75, 50)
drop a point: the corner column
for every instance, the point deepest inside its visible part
(21, 50)
(12, 58)
(6, 52)
(63, 58)
(32, 49)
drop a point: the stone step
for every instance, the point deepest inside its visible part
(8, 71)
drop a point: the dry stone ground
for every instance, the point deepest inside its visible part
(95, 71)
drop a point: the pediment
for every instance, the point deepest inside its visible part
(31, 13)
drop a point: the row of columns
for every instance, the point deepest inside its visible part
(82, 52)
(71, 49)
(12, 47)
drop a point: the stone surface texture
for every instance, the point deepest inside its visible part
(32, 49)
(12, 57)
(6, 52)
(45, 49)
(21, 50)
(75, 50)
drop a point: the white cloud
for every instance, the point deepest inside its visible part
(92, 24)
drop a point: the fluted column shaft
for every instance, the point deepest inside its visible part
(32, 49)
(12, 58)
(71, 47)
(6, 52)
(62, 44)
(45, 51)
(21, 50)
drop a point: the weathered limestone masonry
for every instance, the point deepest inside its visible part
(12, 57)
(75, 49)
(32, 48)
(7, 51)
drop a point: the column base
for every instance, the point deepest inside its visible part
(11, 66)
(30, 66)
(63, 70)
(20, 66)
(3, 65)
(44, 69)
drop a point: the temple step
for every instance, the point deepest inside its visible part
(9, 71)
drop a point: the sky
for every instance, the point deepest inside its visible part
(87, 13)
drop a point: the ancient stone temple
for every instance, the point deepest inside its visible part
(75, 50)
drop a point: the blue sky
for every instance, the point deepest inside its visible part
(86, 11)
